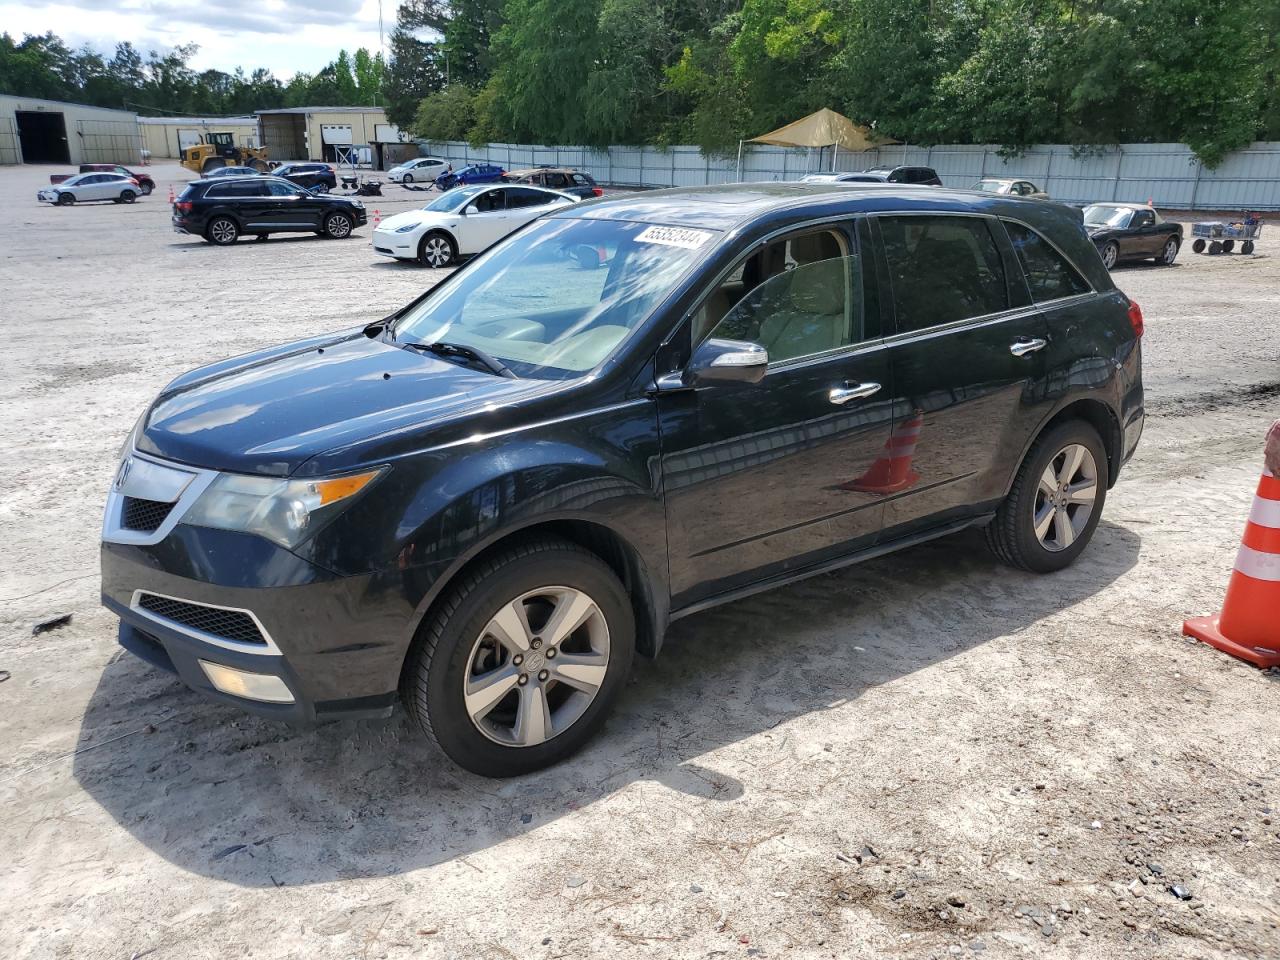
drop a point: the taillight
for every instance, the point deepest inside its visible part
(1135, 318)
(183, 206)
(597, 191)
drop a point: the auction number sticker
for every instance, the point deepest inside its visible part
(674, 237)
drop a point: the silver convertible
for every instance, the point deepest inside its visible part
(92, 186)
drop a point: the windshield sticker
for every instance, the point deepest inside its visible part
(674, 237)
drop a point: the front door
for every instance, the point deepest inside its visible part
(488, 221)
(293, 207)
(968, 364)
(764, 480)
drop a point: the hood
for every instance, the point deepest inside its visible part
(416, 217)
(270, 412)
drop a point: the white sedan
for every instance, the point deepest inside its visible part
(91, 186)
(463, 221)
(421, 169)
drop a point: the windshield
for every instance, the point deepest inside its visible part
(989, 186)
(554, 300)
(453, 200)
(1104, 216)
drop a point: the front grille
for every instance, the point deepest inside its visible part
(232, 625)
(144, 515)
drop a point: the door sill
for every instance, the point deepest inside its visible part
(869, 553)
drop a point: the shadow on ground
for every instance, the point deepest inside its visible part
(257, 804)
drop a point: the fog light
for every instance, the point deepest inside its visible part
(242, 683)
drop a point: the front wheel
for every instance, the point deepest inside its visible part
(1056, 500)
(1169, 253)
(407, 178)
(436, 250)
(66, 199)
(1247, 247)
(520, 664)
(222, 231)
(128, 196)
(1110, 254)
(337, 226)
(1199, 245)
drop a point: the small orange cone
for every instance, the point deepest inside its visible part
(377, 218)
(1249, 625)
(892, 471)
(171, 197)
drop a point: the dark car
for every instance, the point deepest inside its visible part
(309, 175)
(573, 182)
(145, 183)
(472, 173)
(223, 173)
(925, 175)
(624, 413)
(222, 209)
(844, 178)
(1132, 231)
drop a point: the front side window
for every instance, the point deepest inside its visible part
(491, 201)
(1048, 273)
(942, 269)
(1102, 215)
(556, 299)
(282, 190)
(796, 297)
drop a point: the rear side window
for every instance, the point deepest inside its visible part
(942, 269)
(582, 180)
(1048, 273)
(518, 197)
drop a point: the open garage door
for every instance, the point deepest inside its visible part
(335, 138)
(43, 136)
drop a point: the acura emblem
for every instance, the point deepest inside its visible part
(123, 473)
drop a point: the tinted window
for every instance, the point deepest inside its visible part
(942, 269)
(490, 201)
(1048, 273)
(1142, 218)
(582, 180)
(557, 180)
(277, 189)
(797, 298)
(527, 198)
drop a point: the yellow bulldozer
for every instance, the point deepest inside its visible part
(219, 150)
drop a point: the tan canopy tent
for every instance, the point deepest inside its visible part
(825, 128)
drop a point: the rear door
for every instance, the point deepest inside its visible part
(967, 352)
(767, 479)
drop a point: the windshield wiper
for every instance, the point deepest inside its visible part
(443, 348)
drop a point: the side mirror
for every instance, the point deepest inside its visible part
(726, 361)
(470, 210)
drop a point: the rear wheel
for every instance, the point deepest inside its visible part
(1215, 248)
(337, 226)
(1228, 245)
(519, 665)
(1169, 253)
(147, 188)
(66, 199)
(1247, 247)
(1056, 500)
(1199, 245)
(437, 250)
(1110, 254)
(222, 231)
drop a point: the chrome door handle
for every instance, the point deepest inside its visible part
(857, 392)
(1020, 348)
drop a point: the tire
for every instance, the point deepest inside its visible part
(1228, 245)
(128, 196)
(147, 188)
(1247, 247)
(1215, 248)
(222, 231)
(407, 178)
(437, 249)
(461, 641)
(1012, 535)
(1199, 245)
(1110, 254)
(1169, 253)
(66, 199)
(337, 226)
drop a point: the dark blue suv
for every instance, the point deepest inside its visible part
(625, 412)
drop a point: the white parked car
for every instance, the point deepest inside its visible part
(1012, 188)
(463, 222)
(91, 186)
(421, 169)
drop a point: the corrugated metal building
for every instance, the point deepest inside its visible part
(51, 131)
(323, 133)
(166, 137)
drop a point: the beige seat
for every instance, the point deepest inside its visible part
(807, 313)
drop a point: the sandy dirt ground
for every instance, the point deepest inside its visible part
(924, 756)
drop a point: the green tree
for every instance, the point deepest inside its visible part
(447, 114)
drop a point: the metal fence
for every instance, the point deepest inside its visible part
(1168, 174)
(109, 141)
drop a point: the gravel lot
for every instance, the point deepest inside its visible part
(926, 755)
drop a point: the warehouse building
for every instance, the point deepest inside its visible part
(327, 133)
(167, 137)
(50, 131)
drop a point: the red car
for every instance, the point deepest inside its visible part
(145, 183)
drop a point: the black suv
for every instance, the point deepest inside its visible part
(625, 412)
(309, 175)
(222, 209)
(925, 175)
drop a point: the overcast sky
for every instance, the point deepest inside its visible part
(283, 35)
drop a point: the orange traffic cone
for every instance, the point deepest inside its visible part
(377, 218)
(892, 470)
(1249, 625)
(171, 197)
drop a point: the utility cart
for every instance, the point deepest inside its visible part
(1218, 236)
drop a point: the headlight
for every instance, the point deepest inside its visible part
(357, 203)
(283, 511)
(407, 228)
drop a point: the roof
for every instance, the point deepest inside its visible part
(525, 171)
(824, 128)
(17, 100)
(1120, 203)
(322, 110)
(199, 121)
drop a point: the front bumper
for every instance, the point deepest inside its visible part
(47, 196)
(402, 246)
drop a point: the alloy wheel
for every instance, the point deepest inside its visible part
(1170, 252)
(223, 231)
(436, 251)
(1064, 498)
(1110, 254)
(536, 666)
(338, 226)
